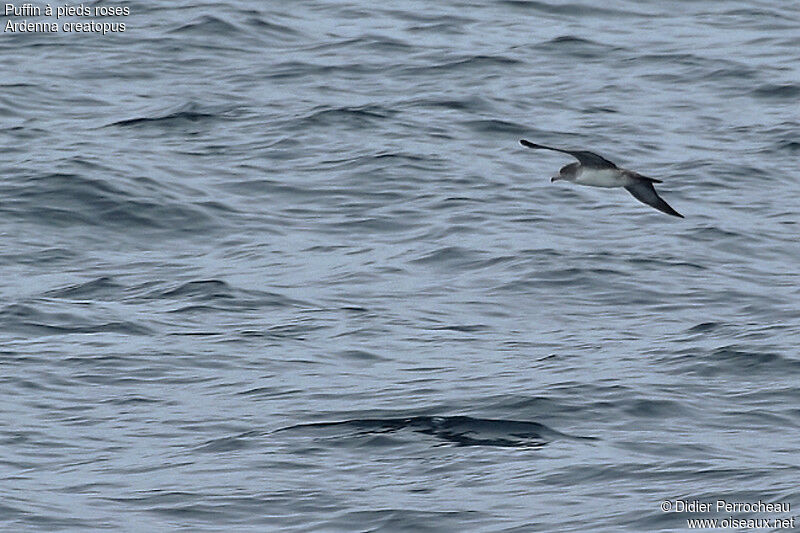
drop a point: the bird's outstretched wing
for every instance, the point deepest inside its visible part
(644, 191)
(587, 159)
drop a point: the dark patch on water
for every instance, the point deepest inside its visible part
(780, 91)
(456, 430)
(188, 113)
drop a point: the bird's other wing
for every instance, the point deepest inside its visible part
(644, 191)
(587, 159)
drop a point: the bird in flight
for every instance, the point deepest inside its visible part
(592, 169)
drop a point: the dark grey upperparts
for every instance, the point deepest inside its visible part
(587, 159)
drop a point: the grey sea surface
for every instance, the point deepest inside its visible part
(284, 266)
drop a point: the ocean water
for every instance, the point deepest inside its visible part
(283, 266)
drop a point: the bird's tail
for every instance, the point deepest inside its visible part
(637, 176)
(648, 178)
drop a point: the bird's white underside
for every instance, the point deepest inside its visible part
(604, 177)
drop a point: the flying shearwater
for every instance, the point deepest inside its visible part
(592, 169)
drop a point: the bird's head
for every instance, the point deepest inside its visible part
(567, 173)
